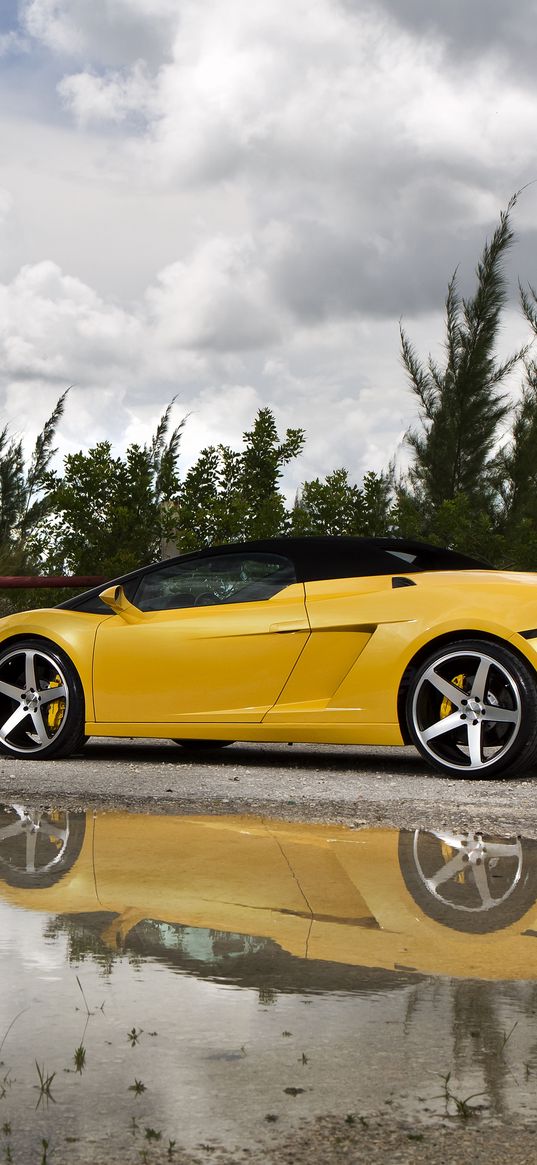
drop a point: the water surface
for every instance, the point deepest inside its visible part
(200, 980)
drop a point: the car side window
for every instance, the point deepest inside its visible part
(216, 579)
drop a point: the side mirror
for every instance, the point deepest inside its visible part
(116, 598)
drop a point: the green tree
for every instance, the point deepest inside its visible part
(12, 495)
(115, 513)
(337, 506)
(25, 494)
(462, 407)
(516, 482)
(261, 467)
(230, 495)
(377, 505)
(331, 506)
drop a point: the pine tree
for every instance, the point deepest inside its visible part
(25, 494)
(516, 481)
(462, 407)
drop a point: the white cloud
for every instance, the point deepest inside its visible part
(113, 97)
(126, 365)
(273, 88)
(12, 42)
(296, 92)
(248, 196)
(220, 299)
(52, 325)
(355, 146)
(6, 204)
(48, 21)
(218, 414)
(109, 32)
(346, 388)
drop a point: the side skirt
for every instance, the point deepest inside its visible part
(375, 734)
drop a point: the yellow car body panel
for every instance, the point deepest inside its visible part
(318, 662)
(211, 663)
(377, 630)
(320, 892)
(72, 631)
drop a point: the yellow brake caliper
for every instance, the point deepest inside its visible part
(446, 707)
(448, 852)
(55, 818)
(56, 708)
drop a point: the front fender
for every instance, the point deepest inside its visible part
(72, 631)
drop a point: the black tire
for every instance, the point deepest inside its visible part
(36, 847)
(472, 710)
(468, 881)
(41, 701)
(202, 745)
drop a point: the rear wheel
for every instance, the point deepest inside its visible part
(472, 710)
(469, 881)
(41, 701)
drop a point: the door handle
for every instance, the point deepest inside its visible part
(285, 628)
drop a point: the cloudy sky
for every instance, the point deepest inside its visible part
(235, 202)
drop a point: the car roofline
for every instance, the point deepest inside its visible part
(300, 549)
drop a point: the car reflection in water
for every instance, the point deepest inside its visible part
(275, 904)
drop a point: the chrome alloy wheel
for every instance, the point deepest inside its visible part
(34, 699)
(466, 876)
(38, 847)
(466, 710)
(41, 841)
(469, 881)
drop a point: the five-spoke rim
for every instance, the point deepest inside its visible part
(466, 710)
(470, 860)
(34, 699)
(32, 829)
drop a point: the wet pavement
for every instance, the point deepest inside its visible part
(198, 984)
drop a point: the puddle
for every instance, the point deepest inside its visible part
(187, 981)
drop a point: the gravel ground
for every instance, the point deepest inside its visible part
(357, 786)
(332, 1141)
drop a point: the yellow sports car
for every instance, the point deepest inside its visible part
(333, 640)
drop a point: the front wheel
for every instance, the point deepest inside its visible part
(472, 710)
(41, 701)
(37, 847)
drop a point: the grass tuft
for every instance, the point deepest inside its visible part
(45, 1084)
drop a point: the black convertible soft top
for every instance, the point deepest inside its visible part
(314, 559)
(338, 556)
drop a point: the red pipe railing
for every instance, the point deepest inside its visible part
(50, 580)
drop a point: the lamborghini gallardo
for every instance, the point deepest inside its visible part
(322, 640)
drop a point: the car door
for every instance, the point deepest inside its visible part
(349, 673)
(216, 640)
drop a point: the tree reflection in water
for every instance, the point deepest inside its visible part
(244, 960)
